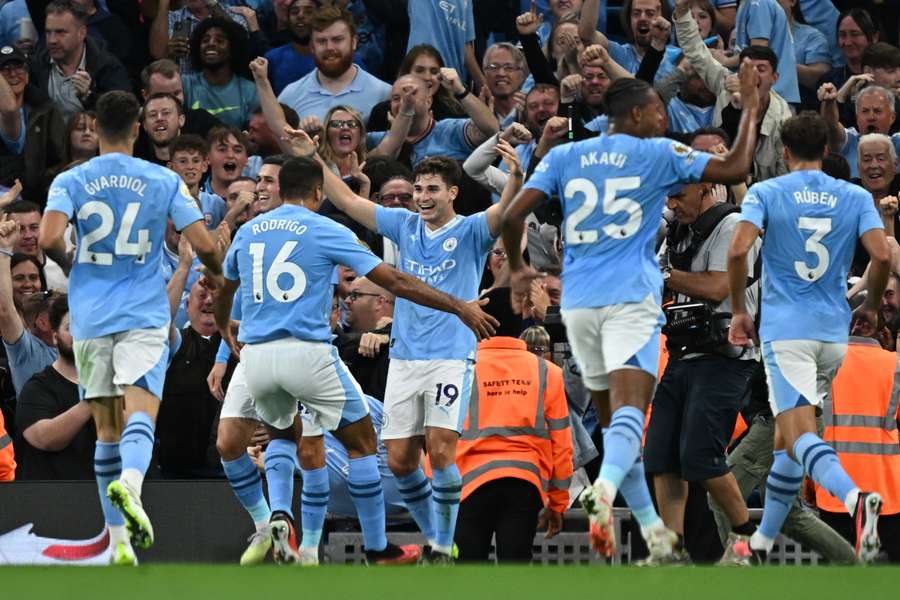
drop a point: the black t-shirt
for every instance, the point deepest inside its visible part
(46, 396)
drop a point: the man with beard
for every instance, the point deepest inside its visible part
(261, 141)
(56, 434)
(874, 114)
(220, 58)
(505, 70)
(335, 80)
(162, 120)
(541, 108)
(584, 91)
(294, 60)
(638, 19)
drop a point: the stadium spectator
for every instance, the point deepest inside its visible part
(163, 76)
(342, 144)
(881, 67)
(292, 61)
(161, 119)
(81, 141)
(335, 80)
(31, 129)
(16, 26)
(505, 70)
(227, 158)
(242, 202)
(424, 62)
(855, 33)
(107, 29)
(874, 114)
(450, 27)
(56, 434)
(73, 70)
(219, 82)
(28, 217)
(811, 52)
(768, 158)
(363, 346)
(27, 336)
(189, 412)
(764, 23)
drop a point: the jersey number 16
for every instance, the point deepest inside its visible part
(280, 266)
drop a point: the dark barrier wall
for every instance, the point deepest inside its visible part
(192, 520)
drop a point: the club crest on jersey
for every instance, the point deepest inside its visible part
(680, 149)
(449, 244)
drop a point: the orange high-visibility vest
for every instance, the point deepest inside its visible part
(861, 423)
(518, 423)
(7, 458)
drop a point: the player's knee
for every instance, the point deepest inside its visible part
(230, 441)
(108, 433)
(312, 453)
(402, 465)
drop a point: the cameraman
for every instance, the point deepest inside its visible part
(706, 380)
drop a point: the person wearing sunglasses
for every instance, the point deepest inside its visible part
(343, 145)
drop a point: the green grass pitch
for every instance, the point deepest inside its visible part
(168, 582)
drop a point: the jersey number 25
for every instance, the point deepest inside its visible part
(611, 206)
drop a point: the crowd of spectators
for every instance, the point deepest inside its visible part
(384, 84)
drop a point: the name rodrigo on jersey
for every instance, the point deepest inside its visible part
(614, 159)
(287, 225)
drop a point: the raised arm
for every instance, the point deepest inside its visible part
(587, 24)
(203, 244)
(272, 111)
(159, 30)
(392, 143)
(482, 117)
(513, 227)
(706, 66)
(837, 135)
(178, 281)
(513, 184)
(879, 268)
(10, 120)
(734, 166)
(11, 326)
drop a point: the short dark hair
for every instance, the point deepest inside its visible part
(276, 159)
(836, 166)
(164, 66)
(761, 53)
(171, 97)
(881, 56)
(805, 135)
(626, 15)
(445, 168)
(624, 94)
(117, 112)
(58, 7)
(381, 169)
(327, 16)
(299, 177)
(542, 87)
(717, 131)
(22, 207)
(188, 142)
(59, 308)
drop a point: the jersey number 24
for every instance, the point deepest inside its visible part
(612, 205)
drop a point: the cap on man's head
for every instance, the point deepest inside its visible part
(11, 54)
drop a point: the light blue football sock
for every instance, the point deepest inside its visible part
(365, 490)
(313, 505)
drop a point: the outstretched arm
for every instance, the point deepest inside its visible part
(11, 326)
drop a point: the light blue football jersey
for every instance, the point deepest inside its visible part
(811, 223)
(285, 259)
(120, 205)
(613, 189)
(450, 259)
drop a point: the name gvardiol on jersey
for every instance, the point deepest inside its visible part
(125, 182)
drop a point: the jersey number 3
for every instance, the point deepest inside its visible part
(819, 228)
(611, 206)
(280, 266)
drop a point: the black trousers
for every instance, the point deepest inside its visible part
(888, 531)
(506, 507)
